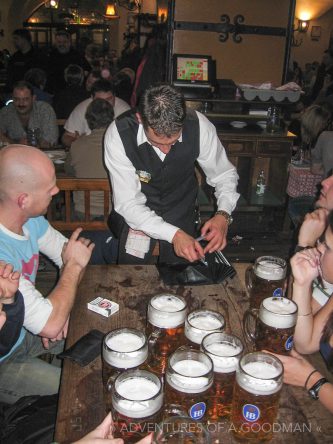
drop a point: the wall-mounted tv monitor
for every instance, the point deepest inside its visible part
(195, 70)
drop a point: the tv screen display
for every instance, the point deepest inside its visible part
(192, 69)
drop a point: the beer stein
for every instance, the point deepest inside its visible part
(259, 378)
(273, 326)
(181, 430)
(165, 329)
(267, 277)
(123, 348)
(137, 400)
(200, 323)
(225, 351)
(189, 376)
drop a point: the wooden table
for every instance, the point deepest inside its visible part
(81, 408)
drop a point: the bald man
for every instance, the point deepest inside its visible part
(27, 185)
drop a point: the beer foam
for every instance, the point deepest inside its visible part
(269, 270)
(166, 311)
(200, 325)
(138, 393)
(223, 355)
(127, 350)
(190, 376)
(251, 381)
(278, 312)
(125, 342)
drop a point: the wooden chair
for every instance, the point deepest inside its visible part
(67, 185)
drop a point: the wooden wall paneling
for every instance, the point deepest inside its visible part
(258, 58)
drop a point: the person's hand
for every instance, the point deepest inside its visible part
(187, 247)
(312, 227)
(305, 266)
(296, 368)
(215, 231)
(3, 317)
(77, 250)
(9, 281)
(103, 435)
(62, 335)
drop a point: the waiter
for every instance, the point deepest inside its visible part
(151, 156)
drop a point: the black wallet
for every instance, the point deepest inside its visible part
(86, 349)
(214, 269)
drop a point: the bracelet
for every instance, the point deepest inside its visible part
(307, 379)
(303, 316)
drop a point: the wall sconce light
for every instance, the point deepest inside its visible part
(162, 10)
(110, 11)
(52, 4)
(303, 25)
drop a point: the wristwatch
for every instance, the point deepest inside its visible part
(226, 215)
(314, 390)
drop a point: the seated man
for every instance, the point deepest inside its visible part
(26, 113)
(27, 185)
(76, 124)
(312, 228)
(86, 155)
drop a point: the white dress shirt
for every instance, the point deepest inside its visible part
(77, 122)
(130, 202)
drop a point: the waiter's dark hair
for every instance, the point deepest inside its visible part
(162, 108)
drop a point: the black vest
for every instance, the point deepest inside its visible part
(172, 189)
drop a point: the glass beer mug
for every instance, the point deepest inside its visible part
(267, 277)
(256, 396)
(181, 430)
(123, 348)
(189, 376)
(165, 329)
(225, 351)
(273, 326)
(200, 323)
(137, 401)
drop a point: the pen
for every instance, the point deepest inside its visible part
(200, 238)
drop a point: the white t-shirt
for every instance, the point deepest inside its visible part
(77, 122)
(22, 251)
(321, 295)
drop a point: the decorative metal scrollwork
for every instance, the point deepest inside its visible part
(228, 28)
(225, 21)
(237, 28)
(238, 20)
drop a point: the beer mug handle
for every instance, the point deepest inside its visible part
(248, 278)
(249, 323)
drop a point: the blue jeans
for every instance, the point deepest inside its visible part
(23, 374)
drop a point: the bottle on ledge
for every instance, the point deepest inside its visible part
(261, 184)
